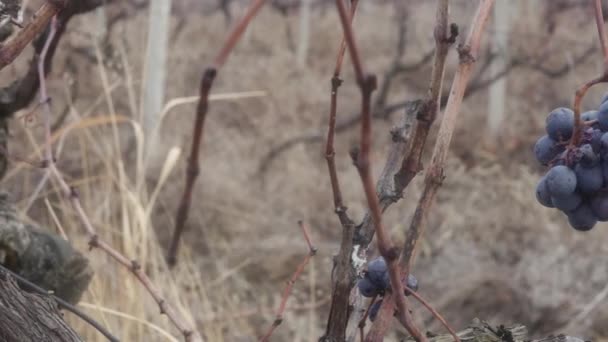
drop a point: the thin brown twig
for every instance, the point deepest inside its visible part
(434, 312)
(22, 91)
(236, 34)
(599, 21)
(361, 324)
(444, 37)
(351, 44)
(383, 319)
(580, 92)
(329, 149)
(367, 84)
(190, 334)
(192, 170)
(311, 252)
(341, 284)
(342, 50)
(434, 174)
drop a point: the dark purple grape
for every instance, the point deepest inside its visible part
(586, 156)
(599, 206)
(604, 99)
(560, 124)
(377, 273)
(605, 170)
(582, 218)
(542, 193)
(546, 149)
(366, 288)
(588, 180)
(589, 115)
(595, 138)
(374, 309)
(604, 144)
(567, 203)
(412, 282)
(561, 181)
(602, 116)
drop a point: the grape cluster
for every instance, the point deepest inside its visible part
(577, 180)
(376, 281)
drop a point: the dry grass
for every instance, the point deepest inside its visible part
(490, 252)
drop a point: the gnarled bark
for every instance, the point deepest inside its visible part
(26, 317)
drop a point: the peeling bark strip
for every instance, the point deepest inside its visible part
(26, 317)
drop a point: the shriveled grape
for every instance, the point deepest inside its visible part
(595, 138)
(586, 156)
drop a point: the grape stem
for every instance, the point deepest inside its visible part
(312, 251)
(580, 92)
(361, 324)
(578, 98)
(433, 312)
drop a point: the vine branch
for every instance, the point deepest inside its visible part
(202, 108)
(312, 250)
(444, 35)
(434, 175)
(338, 315)
(367, 84)
(189, 333)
